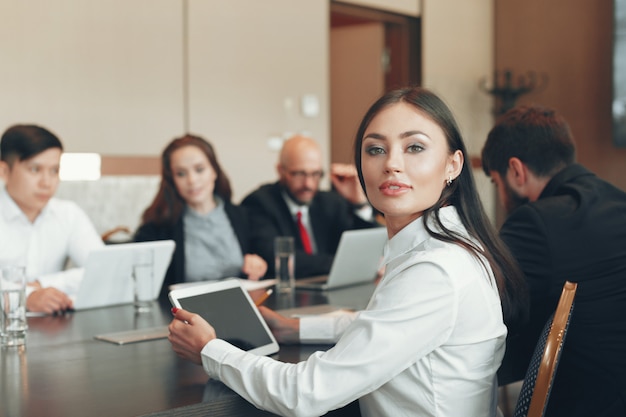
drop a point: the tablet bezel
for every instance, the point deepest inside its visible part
(216, 286)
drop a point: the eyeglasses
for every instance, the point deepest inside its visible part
(301, 175)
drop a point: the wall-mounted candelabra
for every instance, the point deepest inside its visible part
(506, 91)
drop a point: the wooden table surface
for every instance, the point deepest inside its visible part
(64, 371)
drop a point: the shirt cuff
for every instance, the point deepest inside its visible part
(213, 354)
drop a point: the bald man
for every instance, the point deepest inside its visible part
(325, 215)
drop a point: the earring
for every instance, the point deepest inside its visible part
(449, 181)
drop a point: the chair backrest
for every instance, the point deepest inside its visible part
(537, 383)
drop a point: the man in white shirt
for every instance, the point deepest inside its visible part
(36, 230)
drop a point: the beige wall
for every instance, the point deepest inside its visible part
(109, 77)
(104, 75)
(251, 63)
(458, 53)
(405, 7)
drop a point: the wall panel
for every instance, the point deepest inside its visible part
(250, 64)
(106, 76)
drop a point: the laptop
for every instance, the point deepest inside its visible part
(107, 276)
(356, 262)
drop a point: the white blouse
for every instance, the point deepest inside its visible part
(428, 344)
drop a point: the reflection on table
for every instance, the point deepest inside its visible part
(64, 371)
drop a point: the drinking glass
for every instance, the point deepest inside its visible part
(143, 280)
(12, 306)
(284, 261)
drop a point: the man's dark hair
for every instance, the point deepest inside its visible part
(22, 142)
(537, 135)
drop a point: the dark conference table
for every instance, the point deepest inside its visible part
(64, 371)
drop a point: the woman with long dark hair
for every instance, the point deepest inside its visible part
(432, 337)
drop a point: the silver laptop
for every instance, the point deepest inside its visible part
(356, 262)
(107, 277)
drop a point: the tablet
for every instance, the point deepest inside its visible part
(231, 312)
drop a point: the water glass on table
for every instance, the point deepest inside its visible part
(143, 280)
(12, 306)
(284, 258)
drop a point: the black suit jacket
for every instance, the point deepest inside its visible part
(575, 231)
(330, 215)
(239, 221)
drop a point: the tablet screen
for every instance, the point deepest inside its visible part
(230, 311)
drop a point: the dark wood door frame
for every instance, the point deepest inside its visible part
(402, 40)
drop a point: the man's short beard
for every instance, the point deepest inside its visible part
(513, 200)
(293, 197)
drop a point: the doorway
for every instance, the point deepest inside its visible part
(371, 52)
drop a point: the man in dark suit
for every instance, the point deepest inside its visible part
(294, 206)
(563, 223)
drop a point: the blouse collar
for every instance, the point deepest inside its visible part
(415, 234)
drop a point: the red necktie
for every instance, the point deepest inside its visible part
(304, 235)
